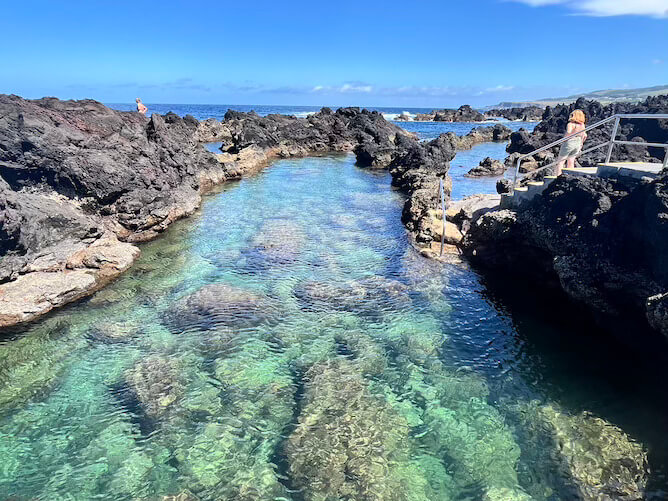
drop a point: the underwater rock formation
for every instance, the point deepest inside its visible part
(351, 444)
(590, 458)
(219, 304)
(369, 295)
(604, 242)
(156, 382)
(278, 242)
(230, 455)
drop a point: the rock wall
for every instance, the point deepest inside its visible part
(605, 243)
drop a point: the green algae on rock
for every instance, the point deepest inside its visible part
(351, 444)
(592, 458)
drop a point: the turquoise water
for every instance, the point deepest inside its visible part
(287, 343)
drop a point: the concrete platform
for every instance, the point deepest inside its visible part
(634, 170)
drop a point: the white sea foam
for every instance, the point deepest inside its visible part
(394, 116)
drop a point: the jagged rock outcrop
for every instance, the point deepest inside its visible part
(463, 114)
(604, 242)
(483, 134)
(487, 167)
(522, 114)
(554, 121)
(78, 181)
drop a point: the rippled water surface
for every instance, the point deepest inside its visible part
(287, 343)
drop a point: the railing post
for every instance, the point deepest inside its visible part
(517, 173)
(665, 158)
(612, 140)
(441, 189)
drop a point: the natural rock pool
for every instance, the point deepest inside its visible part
(287, 343)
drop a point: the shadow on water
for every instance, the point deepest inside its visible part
(584, 367)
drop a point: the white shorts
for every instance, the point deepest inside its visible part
(571, 147)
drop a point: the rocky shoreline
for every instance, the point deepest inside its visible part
(603, 242)
(466, 113)
(80, 183)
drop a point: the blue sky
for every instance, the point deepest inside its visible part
(375, 53)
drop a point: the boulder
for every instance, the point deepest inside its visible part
(487, 167)
(464, 114)
(523, 113)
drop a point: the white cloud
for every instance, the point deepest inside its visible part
(355, 88)
(500, 88)
(346, 88)
(602, 8)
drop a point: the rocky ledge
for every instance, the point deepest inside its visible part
(604, 242)
(80, 183)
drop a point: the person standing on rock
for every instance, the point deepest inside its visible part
(572, 148)
(141, 108)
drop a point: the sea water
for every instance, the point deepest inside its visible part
(288, 343)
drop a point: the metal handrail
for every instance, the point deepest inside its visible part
(611, 143)
(441, 189)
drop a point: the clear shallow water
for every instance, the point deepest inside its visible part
(286, 342)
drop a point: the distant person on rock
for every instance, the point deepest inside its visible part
(571, 148)
(141, 108)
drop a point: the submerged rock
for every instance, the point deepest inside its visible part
(351, 444)
(372, 295)
(156, 382)
(220, 304)
(278, 242)
(591, 459)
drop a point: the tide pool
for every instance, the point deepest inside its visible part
(287, 343)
